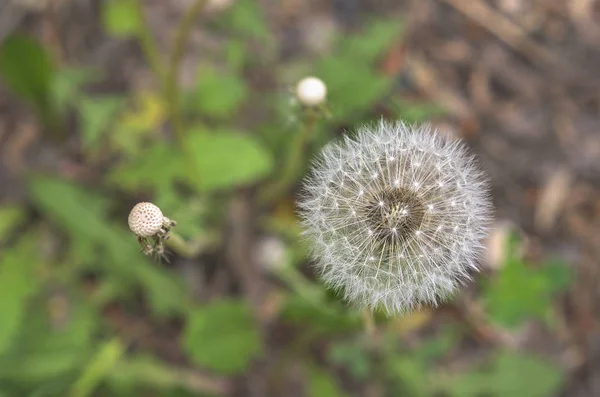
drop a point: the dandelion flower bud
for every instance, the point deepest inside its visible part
(311, 91)
(395, 216)
(145, 220)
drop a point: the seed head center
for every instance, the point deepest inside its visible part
(394, 214)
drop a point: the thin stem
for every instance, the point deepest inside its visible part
(172, 89)
(369, 322)
(160, 376)
(293, 161)
(148, 45)
(304, 288)
(192, 248)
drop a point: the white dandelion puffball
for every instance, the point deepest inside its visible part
(311, 91)
(395, 216)
(145, 219)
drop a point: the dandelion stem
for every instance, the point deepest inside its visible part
(191, 248)
(171, 87)
(368, 321)
(293, 161)
(148, 45)
(172, 90)
(304, 288)
(167, 75)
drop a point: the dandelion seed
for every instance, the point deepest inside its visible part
(418, 220)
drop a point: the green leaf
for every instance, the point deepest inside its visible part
(17, 283)
(67, 84)
(409, 375)
(236, 54)
(98, 368)
(224, 159)
(351, 86)
(352, 356)
(439, 345)
(246, 18)
(76, 209)
(322, 384)
(121, 18)
(222, 336)
(218, 93)
(312, 309)
(44, 351)
(520, 292)
(353, 83)
(158, 164)
(558, 274)
(27, 70)
(374, 39)
(97, 115)
(510, 374)
(10, 217)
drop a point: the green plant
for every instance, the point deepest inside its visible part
(85, 313)
(520, 292)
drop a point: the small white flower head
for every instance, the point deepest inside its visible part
(395, 216)
(311, 91)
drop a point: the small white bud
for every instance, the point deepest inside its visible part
(145, 219)
(311, 91)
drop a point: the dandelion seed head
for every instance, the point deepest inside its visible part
(395, 234)
(145, 219)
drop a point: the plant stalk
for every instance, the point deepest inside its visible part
(149, 46)
(293, 162)
(172, 89)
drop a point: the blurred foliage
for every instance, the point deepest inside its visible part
(223, 159)
(323, 384)
(520, 292)
(218, 94)
(121, 18)
(28, 71)
(18, 267)
(353, 90)
(233, 336)
(72, 276)
(503, 377)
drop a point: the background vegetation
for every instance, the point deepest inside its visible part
(191, 105)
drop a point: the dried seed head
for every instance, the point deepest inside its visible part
(145, 220)
(395, 217)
